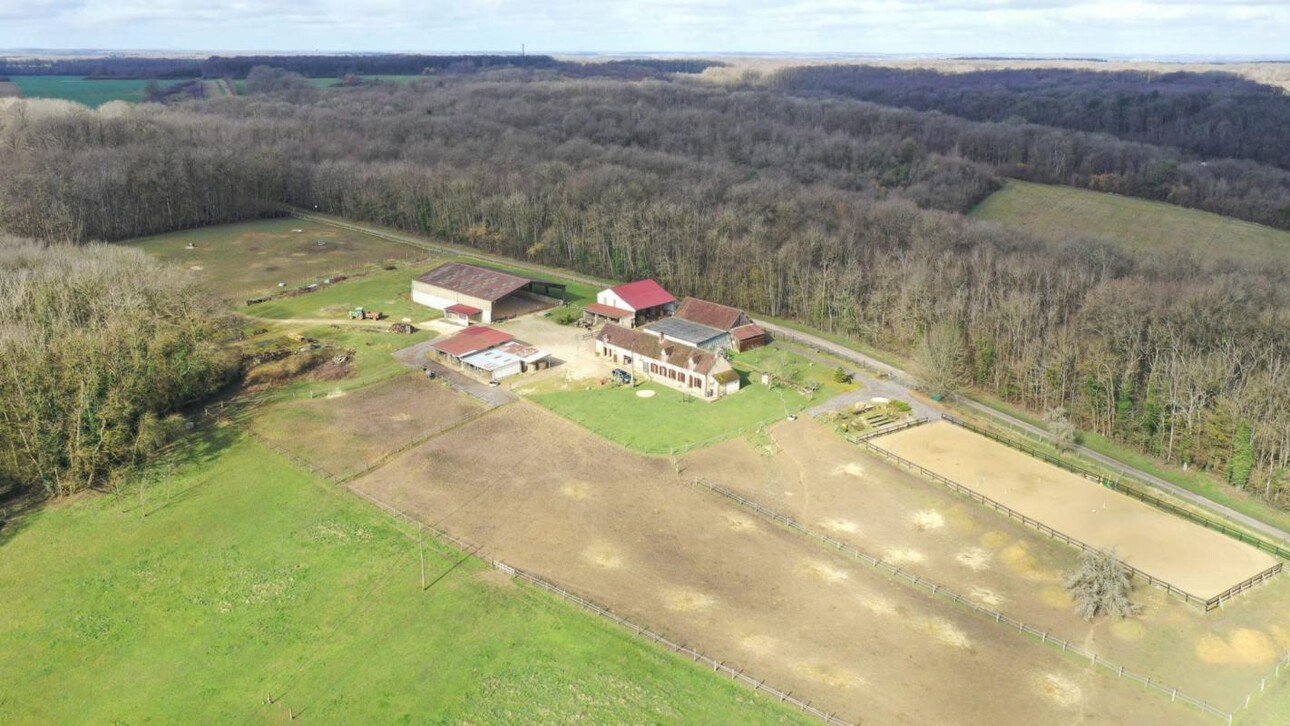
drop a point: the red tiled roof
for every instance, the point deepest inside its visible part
(472, 340)
(462, 309)
(608, 311)
(713, 315)
(643, 294)
(648, 345)
(745, 332)
(479, 282)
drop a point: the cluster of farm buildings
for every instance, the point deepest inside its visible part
(643, 329)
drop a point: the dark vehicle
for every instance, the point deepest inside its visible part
(622, 376)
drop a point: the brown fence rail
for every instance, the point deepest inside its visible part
(1120, 486)
(893, 428)
(938, 590)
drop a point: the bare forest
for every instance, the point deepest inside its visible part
(834, 212)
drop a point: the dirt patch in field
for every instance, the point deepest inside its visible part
(346, 432)
(1060, 689)
(777, 605)
(1243, 645)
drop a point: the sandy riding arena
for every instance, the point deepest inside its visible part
(1196, 560)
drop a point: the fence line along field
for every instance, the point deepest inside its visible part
(543, 494)
(805, 470)
(1058, 212)
(1199, 561)
(252, 258)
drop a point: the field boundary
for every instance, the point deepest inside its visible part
(668, 450)
(1119, 486)
(891, 429)
(1207, 604)
(938, 590)
(717, 666)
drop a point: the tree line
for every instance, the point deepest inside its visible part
(1213, 115)
(841, 214)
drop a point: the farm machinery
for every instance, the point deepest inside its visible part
(362, 314)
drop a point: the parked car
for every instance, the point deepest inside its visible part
(622, 376)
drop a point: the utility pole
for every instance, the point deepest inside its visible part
(421, 543)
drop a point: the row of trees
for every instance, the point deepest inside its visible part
(1215, 115)
(99, 346)
(837, 213)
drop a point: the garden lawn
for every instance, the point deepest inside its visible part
(389, 291)
(670, 420)
(239, 577)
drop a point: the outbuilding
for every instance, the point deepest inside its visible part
(633, 303)
(469, 293)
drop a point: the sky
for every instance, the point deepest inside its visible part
(1139, 28)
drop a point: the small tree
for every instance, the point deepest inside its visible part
(1101, 586)
(1060, 426)
(840, 375)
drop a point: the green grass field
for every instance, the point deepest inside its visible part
(671, 420)
(81, 90)
(251, 258)
(1059, 212)
(238, 577)
(389, 291)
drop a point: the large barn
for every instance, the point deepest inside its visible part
(470, 294)
(680, 366)
(632, 304)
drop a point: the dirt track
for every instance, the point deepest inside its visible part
(1197, 560)
(623, 530)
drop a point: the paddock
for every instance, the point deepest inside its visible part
(1199, 561)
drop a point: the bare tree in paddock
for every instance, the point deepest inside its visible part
(1101, 586)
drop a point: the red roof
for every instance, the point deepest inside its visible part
(608, 311)
(643, 294)
(480, 282)
(713, 315)
(462, 309)
(745, 332)
(472, 340)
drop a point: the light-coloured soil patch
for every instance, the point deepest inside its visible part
(948, 633)
(1128, 628)
(645, 393)
(928, 519)
(825, 571)
(740, 522)
(1197, 560)
(903, 556)
(988, 598)
(1060, 689)
(974, 558)
(603, 555)
(1243, 645)
(688, 574)
(576, 489)
(850, 468)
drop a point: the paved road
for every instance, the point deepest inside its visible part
(898, 384)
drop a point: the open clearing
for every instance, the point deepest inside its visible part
(347, 433)
(1198, 561)
(386, 291)
(245, 259)
(82, 90)
(841, 490)
(1059, 212)
(248, 578)
(554, 499)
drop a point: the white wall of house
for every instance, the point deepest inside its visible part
(610, 298)
(439, 298)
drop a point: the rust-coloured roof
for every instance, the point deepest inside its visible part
(608, 311)
(746, 332)
(643, 294)
(472, 340)
(479, 282)
(713, 315)
(462, 309)
(649, 345)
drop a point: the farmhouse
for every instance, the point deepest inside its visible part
(470, 294)
(742, 334)
(490, 353)
(632, 303)
(680, 366)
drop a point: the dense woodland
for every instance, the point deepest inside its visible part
(842, 214)
(1213, 115)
